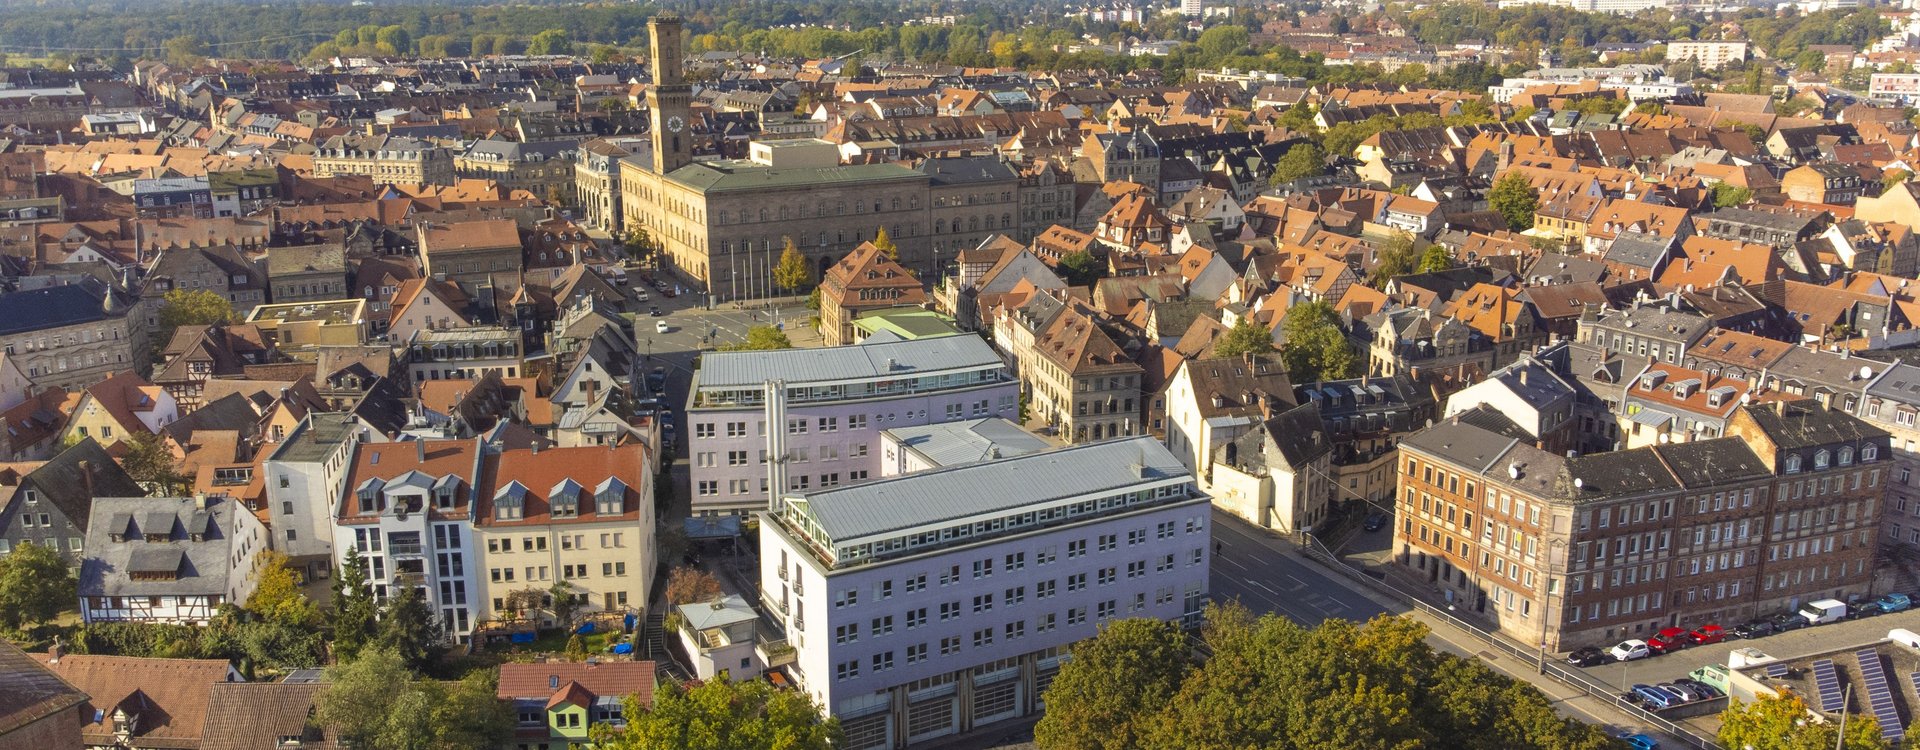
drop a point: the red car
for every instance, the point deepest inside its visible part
(1706, 634)
(1669, 639)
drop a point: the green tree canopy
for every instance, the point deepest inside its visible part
(1300, 162)
(1316, 349)
(1080, 268)
(550, 42)
(1399, 255)
(1108, 695)
(409, 628)
(150, 463)
(1781, 724)
(1245, 337)
(1224, 40)
(375, 702)
(793, 271)
(193, 307)
(1436, 258)
(1273, 684)
(721, 715)
(35, 585)
(690, 585)
(354, 616)
(760, 338)
(1727, 195)
(1514, 198)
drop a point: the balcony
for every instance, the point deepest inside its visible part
(400, 549)
(773, 651)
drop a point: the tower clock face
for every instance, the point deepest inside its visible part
(676, 124)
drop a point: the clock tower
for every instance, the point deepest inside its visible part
(667, 98)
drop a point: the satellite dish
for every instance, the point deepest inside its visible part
(1578, 483)
(1513, 471)
(1866, 372)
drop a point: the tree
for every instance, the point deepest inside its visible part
(691, 585)
(409, 628)
(576, 649)
(1514, 198)
(359, 693)
(1399, 255)
(1781, 724)
(1436, 258)
(1271, 683)
(721, 715)
(885, 243)
(394, 40)
(550, 42)
(35, 585)
(1106, 696)
(277, 598)
(355, 614)
(561, 593)
(185, 51)
(603, 54)
(1316, 349)
(193, 307)
(469, 714)
(1300, 162)
(792, 271)
(1080, 268)
(760, 338)
(1727, 195)
(1755, 132)
(1894, 180)
(150, 463)
(1245, 337)
(1224, 40)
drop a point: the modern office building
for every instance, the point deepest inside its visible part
(837, 401)
(1591, 549)
(937, 602)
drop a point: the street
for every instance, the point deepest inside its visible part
(1267, 574)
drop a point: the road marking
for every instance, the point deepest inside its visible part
(1230, 561)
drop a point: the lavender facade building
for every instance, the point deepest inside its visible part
(941, 601)
(837, 401)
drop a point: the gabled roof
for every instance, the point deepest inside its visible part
(170, 695)
(29, 691)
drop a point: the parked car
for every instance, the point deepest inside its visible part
(1706, 634)
(1656, 698)
(1864, 609)
(1668, 639)
(1589, 656)
(670, 293)
(1786, 621)
(1630, 650)
(641, 295)
(1894, 603)
(1823, 611)
(657, 380)
(1376, 521)
(1705, 690)
(653, 311)
(1755, 629)
(1640, 742)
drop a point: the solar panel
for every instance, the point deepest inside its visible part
(1778, 669)
(1827, 679)
(1879, 696)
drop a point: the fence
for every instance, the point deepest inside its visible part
(1599, 690)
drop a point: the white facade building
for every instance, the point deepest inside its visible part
(408, 509)
(934, 603)
(304, 478)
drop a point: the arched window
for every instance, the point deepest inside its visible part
(1821, 459)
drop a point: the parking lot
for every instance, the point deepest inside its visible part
(1786, 645)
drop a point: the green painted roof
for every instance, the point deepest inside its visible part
(740, 174)
(907, 322)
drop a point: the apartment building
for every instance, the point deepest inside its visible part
(408, 509)
(70, 336)
(836, 402)
(1892, 402)
(304, 475)
(1591, 549)
(582, 516)
(385, 158)
(932, 603)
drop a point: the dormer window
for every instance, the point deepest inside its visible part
(1793, 463)
(444, 491)
(610, 498)
(509, 504)
(369, 496)
(1846, 456)
(1821, 459)
(564, 499)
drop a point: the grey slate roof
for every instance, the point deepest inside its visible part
(1806, 423)
(990, 487)
(52, 307)
(954, 443)
(202, 566)
(840, 363)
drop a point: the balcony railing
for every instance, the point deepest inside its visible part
(405, 550)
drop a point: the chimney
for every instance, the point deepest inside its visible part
(536, 447)
(55, 651)
(420, 450)
(199, 501)
(86, 477)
